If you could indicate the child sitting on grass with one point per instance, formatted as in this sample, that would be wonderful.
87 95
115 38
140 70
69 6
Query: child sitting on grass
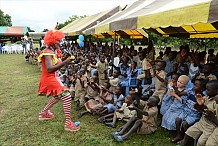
146 125
118 100
212 140
102 67
96 103
167 99
114 80
132 72
92 88
124 113
160 79
145 68
206 73
72 80
208 106
189 115
80 88
176 108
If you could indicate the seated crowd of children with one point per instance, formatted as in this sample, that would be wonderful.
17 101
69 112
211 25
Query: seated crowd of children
179 86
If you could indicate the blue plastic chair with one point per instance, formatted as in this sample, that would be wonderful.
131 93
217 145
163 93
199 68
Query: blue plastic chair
93 71
139 71
133 82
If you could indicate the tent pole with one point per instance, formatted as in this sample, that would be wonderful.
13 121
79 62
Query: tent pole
205 47
113 50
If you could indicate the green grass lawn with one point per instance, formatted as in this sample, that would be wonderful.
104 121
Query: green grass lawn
20 105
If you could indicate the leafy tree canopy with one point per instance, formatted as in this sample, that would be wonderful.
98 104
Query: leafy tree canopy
5 19
30 30
45 30
71 19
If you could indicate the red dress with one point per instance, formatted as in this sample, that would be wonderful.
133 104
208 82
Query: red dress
50 83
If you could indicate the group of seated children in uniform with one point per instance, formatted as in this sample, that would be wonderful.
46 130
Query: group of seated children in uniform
182 89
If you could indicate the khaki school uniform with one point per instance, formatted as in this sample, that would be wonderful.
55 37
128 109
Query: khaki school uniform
114 83
210 77
150 55
149 122
91 93
88 72
72 90
126 114
101 67
213 139
160 87
80 91
97 102
145 66
204 128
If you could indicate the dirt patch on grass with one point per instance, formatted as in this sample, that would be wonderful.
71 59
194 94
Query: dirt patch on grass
16 72
2 113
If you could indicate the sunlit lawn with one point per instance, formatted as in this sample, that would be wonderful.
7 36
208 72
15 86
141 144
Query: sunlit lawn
20 105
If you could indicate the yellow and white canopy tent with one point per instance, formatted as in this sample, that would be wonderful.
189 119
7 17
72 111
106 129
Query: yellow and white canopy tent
173 18
36 35
76 27
104 29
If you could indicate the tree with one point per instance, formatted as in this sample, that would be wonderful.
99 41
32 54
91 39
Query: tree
201 43
45 30
5 19
30 30
71 19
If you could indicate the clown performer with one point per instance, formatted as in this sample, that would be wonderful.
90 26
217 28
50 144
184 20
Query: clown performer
50 83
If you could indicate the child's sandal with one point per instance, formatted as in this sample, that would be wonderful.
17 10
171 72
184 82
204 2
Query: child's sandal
118 138
175 140
101 119
115 134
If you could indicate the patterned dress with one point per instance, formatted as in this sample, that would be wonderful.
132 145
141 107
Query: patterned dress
190 114
174 111
166 101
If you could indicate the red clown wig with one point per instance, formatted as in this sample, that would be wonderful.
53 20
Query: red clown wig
52 37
